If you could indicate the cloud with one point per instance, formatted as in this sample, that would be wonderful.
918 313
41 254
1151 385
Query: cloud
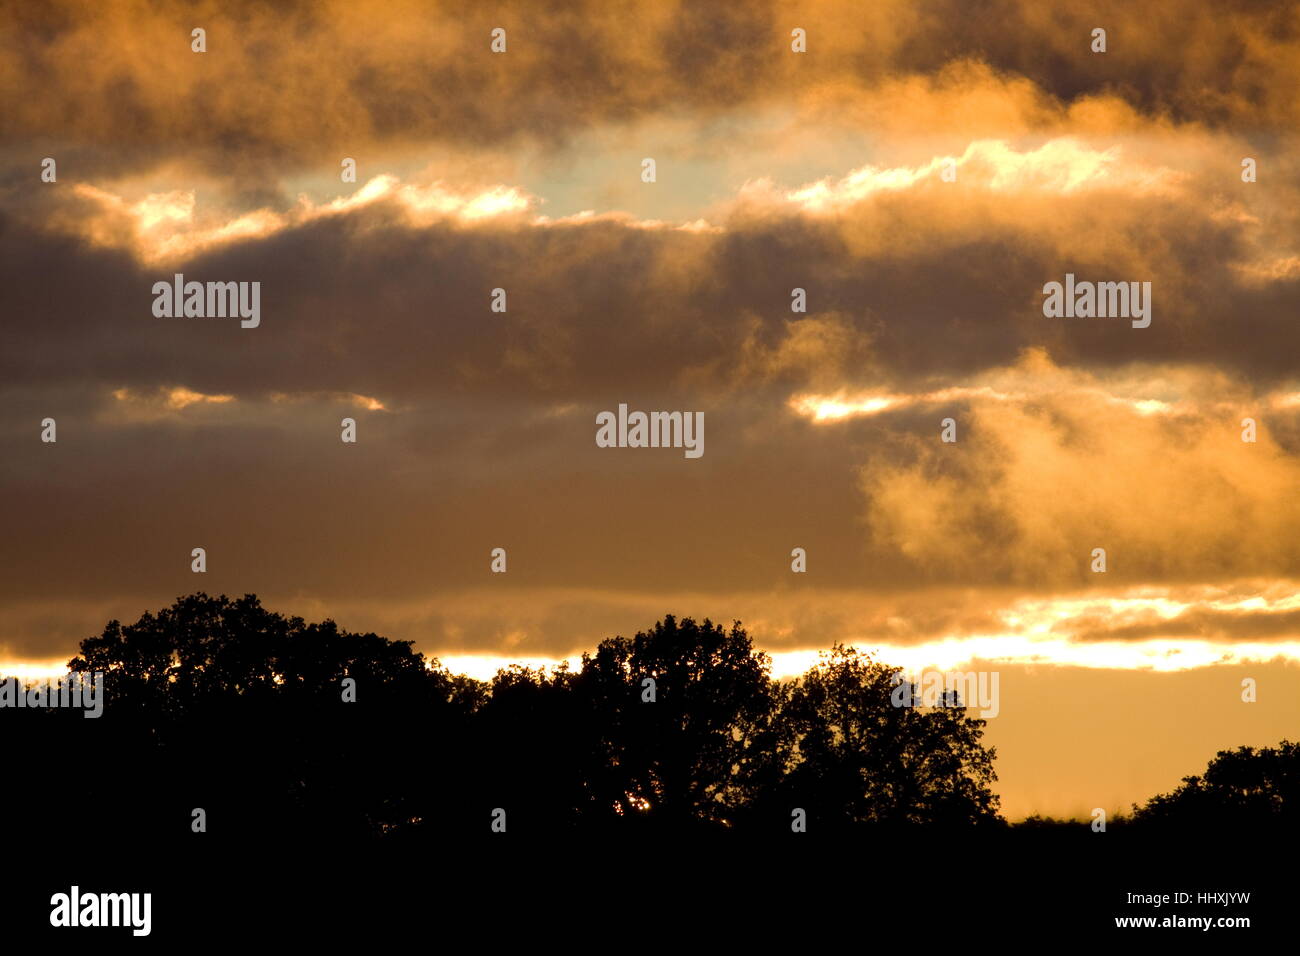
287 86
1033 486
897 282
778 171
1147 628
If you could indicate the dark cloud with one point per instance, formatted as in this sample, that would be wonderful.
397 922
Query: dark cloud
292 86
485 434
1202 623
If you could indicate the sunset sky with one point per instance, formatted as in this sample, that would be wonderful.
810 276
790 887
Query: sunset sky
775 170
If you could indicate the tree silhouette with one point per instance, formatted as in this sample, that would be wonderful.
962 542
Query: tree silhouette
527 752
848 755
221 704
680 760
1240 788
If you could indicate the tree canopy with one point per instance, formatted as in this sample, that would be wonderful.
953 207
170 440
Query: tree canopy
219 703
1244 788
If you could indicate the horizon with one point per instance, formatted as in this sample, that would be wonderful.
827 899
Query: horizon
1024 798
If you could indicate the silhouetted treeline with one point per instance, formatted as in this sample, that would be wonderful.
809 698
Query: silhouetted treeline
220 704
1248 787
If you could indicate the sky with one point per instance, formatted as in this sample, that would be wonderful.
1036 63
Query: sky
920 172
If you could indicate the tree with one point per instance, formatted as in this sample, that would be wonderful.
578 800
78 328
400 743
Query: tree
848 755
1242 788
677 761
530 754
220 704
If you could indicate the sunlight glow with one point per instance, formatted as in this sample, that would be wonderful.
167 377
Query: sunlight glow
34 670
175 398
1062 165
484 666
